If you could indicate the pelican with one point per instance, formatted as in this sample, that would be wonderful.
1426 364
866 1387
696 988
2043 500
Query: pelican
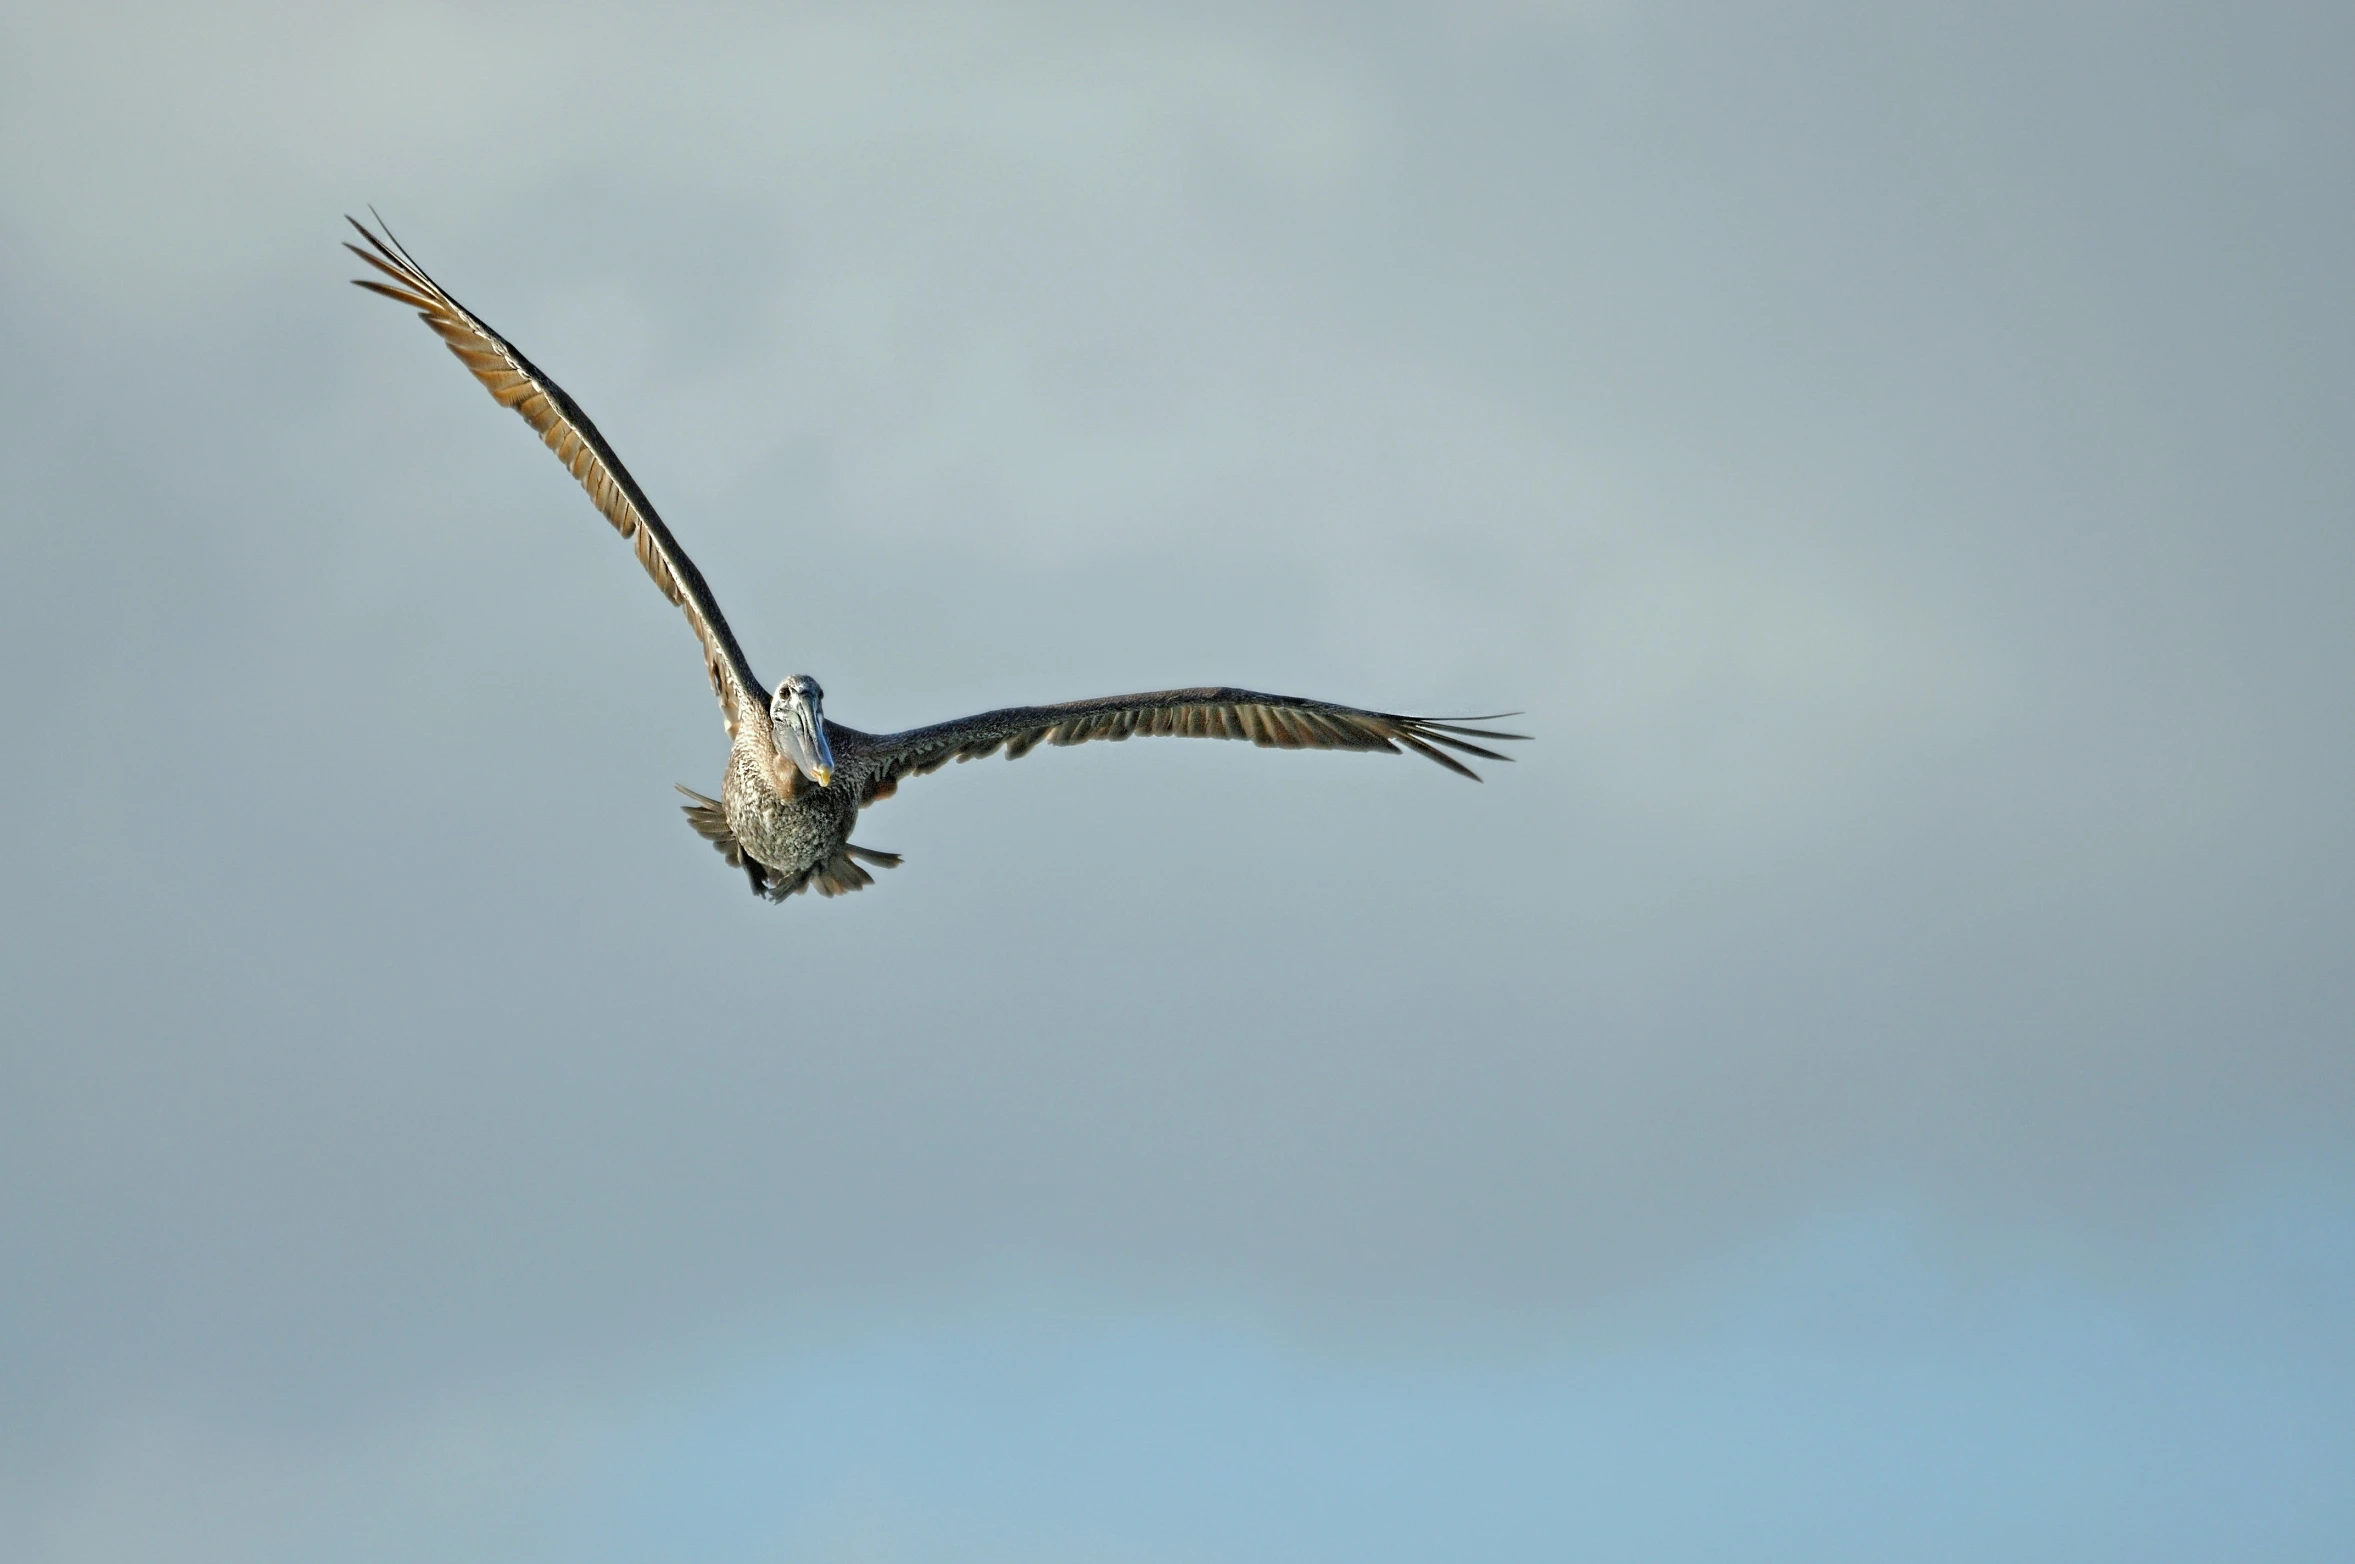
797 779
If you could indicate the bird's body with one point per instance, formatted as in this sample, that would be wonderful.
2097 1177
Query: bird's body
784 823
796 780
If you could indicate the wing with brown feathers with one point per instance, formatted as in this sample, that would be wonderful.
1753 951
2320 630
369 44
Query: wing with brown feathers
875 763
516 383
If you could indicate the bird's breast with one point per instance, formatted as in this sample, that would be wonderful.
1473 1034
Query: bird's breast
789 834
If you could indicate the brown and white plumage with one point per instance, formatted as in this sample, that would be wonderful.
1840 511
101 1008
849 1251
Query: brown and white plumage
875 764
796 781
516 382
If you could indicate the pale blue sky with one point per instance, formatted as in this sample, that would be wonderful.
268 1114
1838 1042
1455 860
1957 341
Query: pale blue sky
1871 1081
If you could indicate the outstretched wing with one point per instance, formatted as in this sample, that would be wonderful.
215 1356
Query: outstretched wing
516 383
875 763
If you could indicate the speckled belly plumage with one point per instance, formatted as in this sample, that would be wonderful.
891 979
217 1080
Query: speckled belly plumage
790 835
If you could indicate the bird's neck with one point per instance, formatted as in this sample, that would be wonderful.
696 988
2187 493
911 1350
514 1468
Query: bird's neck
756 742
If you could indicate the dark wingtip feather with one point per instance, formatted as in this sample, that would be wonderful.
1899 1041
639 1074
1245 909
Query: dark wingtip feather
391 256
1427 734
375 241
1423 748
416 301
1456 725
393 239
1467 747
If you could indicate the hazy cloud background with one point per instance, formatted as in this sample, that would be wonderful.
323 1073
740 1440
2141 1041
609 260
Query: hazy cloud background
1898 459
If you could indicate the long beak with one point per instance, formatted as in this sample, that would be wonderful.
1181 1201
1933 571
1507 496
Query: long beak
802 736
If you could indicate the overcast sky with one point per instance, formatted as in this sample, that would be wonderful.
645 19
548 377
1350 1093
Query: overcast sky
1897 459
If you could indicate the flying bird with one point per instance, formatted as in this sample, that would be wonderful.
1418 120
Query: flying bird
797 779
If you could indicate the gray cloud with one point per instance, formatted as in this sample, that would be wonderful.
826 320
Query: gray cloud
1898 462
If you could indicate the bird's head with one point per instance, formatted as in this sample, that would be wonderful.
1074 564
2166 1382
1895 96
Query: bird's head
798 719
